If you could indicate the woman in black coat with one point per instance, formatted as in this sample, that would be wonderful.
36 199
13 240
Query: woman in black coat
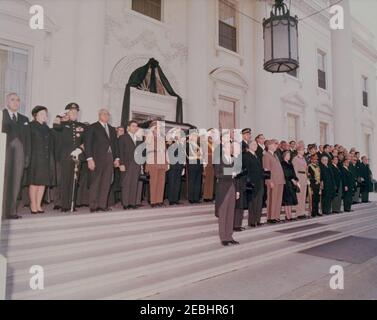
290 187
41 172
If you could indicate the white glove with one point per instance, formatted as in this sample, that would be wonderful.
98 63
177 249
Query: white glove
183 172
75 153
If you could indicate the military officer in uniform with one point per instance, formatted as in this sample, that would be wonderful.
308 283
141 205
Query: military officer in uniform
246 137
71 141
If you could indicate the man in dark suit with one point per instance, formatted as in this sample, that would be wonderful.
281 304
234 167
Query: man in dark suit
337 174
129 168
71 133
16 127
102 153
254 184
326 153
226 194
328 185
348 183
177 160
366 179
283 146
260 139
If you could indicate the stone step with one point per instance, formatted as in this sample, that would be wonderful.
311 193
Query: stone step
145 280
77 269
69 221
43 238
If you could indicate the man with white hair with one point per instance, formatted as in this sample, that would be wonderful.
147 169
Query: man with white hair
16 127
102 153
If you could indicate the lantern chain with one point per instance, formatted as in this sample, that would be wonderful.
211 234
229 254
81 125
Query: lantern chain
300 19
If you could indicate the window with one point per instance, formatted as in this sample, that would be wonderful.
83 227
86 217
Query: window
365 90
150 8
292 127
323 130
227 25
321 56
367 145
14 74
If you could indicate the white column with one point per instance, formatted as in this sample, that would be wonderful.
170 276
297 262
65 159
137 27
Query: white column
3 262
343 82
91 28
197 66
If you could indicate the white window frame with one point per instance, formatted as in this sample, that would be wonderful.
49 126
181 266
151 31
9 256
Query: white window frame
296 118
327 127
20 46
365 81
237 53
148 18
324 57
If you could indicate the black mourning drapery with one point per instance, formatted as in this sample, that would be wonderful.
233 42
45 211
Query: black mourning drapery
137 78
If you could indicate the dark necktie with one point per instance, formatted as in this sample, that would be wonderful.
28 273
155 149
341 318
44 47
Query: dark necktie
14 118
107 130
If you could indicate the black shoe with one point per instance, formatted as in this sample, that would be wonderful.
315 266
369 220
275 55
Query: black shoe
57 207
94 210
253 225
234 242
16 217
239 229
226 243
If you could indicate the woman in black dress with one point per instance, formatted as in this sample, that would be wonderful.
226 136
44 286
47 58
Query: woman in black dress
290 187
41 172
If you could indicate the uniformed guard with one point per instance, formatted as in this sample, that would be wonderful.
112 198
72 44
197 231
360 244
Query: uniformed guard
71 139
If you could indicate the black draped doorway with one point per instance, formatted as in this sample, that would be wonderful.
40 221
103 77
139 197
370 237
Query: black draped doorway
149 77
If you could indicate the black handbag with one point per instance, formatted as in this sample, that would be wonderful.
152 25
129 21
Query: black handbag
267 175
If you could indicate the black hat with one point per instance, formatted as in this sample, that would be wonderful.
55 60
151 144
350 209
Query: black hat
72 106
37 109
246 130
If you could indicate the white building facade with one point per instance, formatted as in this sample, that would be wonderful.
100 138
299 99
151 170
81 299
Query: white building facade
212 55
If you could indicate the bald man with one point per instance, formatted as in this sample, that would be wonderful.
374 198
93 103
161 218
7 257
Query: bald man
102 153
275 183
16 127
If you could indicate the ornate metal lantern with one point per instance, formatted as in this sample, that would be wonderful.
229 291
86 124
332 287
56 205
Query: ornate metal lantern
280 34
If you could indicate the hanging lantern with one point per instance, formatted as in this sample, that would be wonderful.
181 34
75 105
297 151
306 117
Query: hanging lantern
280 34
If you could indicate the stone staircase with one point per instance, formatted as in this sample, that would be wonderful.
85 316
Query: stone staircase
137 254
